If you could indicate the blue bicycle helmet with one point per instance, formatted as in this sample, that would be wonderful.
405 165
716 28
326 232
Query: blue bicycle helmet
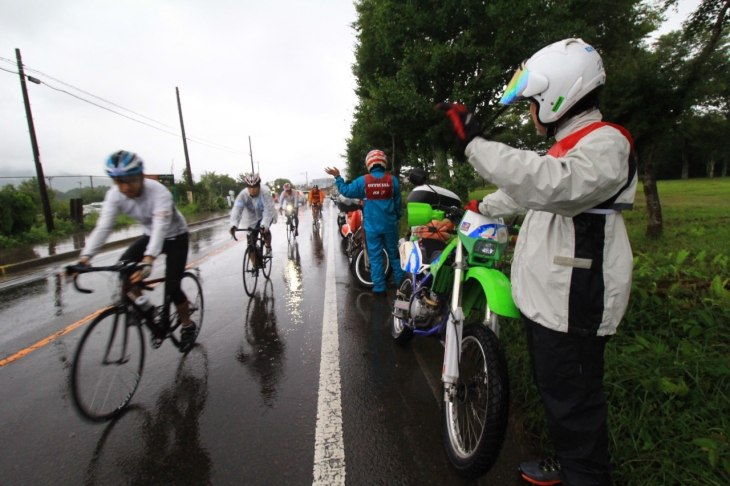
124 163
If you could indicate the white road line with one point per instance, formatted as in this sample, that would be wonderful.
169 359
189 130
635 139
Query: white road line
329 446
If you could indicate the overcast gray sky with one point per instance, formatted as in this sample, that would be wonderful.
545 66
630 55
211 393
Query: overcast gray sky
277 70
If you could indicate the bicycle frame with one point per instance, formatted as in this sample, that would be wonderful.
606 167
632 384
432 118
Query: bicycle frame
160 329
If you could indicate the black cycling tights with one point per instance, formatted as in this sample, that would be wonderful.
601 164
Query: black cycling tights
176 250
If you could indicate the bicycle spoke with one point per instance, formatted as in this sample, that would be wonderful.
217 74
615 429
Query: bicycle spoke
103 365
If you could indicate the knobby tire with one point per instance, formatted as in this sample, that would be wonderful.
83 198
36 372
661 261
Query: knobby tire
473 456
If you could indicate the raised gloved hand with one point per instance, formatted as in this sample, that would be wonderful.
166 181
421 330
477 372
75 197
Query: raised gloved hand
472 206
465 124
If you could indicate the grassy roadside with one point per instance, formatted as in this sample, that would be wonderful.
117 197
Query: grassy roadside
64 227
668 367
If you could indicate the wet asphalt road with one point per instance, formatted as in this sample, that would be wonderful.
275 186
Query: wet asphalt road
241 408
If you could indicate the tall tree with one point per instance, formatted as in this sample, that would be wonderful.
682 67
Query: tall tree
411 55
654 88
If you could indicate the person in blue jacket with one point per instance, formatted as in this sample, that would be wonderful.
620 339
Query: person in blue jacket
383 209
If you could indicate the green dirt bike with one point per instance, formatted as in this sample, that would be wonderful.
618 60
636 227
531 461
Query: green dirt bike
455 292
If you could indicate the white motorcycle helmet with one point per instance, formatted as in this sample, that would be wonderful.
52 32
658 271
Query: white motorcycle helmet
557 77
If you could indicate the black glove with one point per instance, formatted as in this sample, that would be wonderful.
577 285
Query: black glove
232 231
465 124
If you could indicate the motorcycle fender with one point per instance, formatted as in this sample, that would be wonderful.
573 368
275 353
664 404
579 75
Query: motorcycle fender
496 287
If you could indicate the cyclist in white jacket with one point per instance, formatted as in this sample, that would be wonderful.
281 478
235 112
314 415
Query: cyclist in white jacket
571 274
151 205
290 196
254 209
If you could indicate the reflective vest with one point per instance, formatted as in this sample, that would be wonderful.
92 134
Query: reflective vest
378 189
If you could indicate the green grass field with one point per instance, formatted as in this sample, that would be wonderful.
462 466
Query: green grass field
668 367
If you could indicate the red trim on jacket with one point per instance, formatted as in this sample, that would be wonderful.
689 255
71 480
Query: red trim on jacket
562 147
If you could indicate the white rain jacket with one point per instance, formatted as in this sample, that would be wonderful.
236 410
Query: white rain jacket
249 210
571 270
154 209
292 199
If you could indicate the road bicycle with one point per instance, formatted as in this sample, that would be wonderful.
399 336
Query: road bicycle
317 215
108 363
456 292
256 259
290 225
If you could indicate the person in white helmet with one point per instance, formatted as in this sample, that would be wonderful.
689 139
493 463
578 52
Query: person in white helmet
571 274
254 209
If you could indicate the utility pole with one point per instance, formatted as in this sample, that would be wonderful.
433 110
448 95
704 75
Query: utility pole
185 141
45 202
250 152
305 178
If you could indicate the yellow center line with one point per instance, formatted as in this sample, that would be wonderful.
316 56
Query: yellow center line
86 319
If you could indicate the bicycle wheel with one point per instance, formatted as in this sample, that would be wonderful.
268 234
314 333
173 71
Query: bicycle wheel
474 422
266 258
289 230
107 365
250 271
194 292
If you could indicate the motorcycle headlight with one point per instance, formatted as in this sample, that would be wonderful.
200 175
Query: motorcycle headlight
485 248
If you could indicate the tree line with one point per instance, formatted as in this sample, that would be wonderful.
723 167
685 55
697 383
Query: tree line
21 207
671 94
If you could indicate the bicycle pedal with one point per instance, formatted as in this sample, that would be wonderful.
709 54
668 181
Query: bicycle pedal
156 342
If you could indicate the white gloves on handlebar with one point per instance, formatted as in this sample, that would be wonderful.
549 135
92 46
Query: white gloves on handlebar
145 269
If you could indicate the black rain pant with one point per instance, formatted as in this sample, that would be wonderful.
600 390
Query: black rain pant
568 372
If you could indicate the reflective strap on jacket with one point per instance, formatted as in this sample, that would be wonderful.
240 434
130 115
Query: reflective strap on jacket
563 146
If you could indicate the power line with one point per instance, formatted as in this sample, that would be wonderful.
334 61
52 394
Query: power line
191 138
121 107
91 94
8 70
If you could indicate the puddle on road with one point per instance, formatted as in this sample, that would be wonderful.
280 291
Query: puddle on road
18 293
162 444
262 351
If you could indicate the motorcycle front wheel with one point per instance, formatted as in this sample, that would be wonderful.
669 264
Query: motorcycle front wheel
474 421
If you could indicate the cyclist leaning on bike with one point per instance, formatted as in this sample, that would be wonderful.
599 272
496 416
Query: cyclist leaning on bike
150 204
316 198
289 196
254 208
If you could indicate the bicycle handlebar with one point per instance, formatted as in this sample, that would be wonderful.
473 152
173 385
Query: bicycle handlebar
243 229
78 269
